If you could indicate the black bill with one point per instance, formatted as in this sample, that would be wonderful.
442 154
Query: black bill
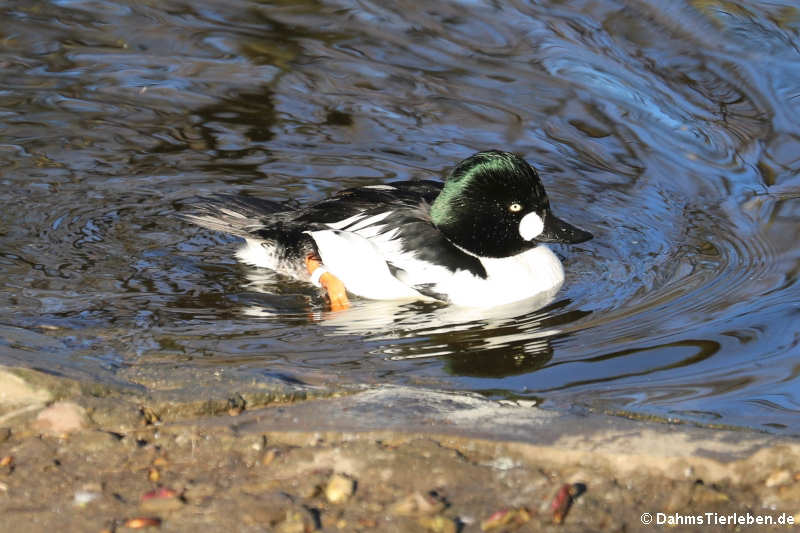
556 230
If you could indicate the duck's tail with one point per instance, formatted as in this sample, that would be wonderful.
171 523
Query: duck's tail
237 215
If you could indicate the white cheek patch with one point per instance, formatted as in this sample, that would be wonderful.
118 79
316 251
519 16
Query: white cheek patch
531 226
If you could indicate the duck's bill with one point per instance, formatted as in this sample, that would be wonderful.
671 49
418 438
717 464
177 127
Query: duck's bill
556 230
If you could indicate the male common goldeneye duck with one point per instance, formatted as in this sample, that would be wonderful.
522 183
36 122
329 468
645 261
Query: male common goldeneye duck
475 240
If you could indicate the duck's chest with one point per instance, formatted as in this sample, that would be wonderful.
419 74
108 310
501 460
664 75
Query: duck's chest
536 272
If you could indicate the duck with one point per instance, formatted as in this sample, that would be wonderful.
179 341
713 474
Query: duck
478 239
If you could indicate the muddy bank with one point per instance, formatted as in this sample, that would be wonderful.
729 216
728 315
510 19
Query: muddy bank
284 457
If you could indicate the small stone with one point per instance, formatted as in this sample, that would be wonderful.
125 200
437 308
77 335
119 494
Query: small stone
418 504
778 478
704 495
438 524
82 498
6 460
297 521
269 456
61 418
141 523
16 391
160 500
149 416
236 405
272 508
562 501
508 519
339 488
309 490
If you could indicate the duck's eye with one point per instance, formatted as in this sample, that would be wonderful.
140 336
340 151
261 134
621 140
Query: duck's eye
515 207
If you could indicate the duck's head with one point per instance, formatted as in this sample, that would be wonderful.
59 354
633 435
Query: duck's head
493 204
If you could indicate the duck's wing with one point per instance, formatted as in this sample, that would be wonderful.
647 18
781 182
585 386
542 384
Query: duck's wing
397 218
375 237
370 199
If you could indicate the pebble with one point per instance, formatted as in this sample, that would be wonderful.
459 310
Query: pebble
704 495
82 498
236 405
339 488
16 391
297 521
148 416
562 501
438 524
61 418
507 519
141 523
268 457
160 500
778 478
417 504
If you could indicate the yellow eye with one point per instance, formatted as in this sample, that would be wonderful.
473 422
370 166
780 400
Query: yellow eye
515 207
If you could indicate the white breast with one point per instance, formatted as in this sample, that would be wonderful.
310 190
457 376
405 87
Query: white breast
537 272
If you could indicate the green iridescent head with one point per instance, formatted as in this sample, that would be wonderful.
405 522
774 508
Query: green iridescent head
493 204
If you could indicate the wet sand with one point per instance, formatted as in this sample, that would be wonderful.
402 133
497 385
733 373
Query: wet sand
285 457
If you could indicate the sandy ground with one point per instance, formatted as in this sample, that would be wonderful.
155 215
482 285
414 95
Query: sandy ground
84 457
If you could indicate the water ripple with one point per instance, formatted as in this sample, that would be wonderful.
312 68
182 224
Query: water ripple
670 130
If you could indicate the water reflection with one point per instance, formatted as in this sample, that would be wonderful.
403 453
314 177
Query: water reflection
669 130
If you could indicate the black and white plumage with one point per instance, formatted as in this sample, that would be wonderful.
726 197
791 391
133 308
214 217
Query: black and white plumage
476 239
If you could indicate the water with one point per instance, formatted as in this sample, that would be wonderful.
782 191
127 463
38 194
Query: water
671 130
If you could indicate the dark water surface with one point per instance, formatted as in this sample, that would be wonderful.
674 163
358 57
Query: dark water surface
671 130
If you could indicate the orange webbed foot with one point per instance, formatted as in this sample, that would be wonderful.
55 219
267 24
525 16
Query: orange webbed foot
337 294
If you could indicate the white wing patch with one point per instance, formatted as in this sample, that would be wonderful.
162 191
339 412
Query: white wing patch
361 265
358 221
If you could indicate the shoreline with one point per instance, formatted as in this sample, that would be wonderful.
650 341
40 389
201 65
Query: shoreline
94 458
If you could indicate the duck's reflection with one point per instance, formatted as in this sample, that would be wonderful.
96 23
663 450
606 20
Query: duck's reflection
493 342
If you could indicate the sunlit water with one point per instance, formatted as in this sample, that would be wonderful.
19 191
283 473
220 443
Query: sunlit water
671 130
